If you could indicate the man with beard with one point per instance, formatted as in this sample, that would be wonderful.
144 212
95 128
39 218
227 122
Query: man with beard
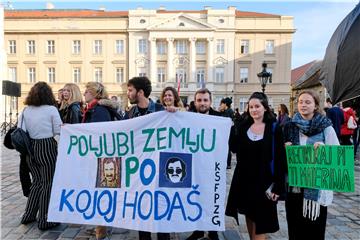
138 92
110 176
203 105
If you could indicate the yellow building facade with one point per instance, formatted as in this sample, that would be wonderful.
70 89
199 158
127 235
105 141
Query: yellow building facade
220 49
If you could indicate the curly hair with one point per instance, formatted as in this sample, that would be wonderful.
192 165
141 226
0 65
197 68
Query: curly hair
177 100
40 94
141 83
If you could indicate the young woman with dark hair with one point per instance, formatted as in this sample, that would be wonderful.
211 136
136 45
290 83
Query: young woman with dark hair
42 122
255 189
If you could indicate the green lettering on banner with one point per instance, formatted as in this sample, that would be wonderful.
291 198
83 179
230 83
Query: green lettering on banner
150 132
181 134
327 167
160 138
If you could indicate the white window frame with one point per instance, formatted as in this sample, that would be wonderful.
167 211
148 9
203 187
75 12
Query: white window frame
161 47
219 74
244 75
161 74
119 75
50 47
181 47
31 74
200 47
98 74
180 74
76 47
142 46
220 46
217 100
51 75
12 74
31 47
76 75
12 46
98 47
119 46
242 104
200 76
142 72
269 46
245 46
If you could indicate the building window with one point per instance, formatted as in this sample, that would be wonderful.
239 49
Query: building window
217 101
219 74
12 46
161 48
220 46
243 103
119 75
181 46
13 103
50 47
13 74
269 47
76 47
142 72
142 47
200 47
31 75
161 75
51 75
270 70
180 75
244 75
76 75
200 77
97 47
119 46
244 47
31 46
98 74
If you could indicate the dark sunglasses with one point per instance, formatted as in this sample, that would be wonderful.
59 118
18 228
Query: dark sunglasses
171 171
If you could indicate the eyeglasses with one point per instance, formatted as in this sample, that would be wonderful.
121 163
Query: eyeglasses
171 171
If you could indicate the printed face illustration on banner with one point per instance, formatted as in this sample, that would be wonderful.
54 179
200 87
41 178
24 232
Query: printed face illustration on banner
175 170
108 173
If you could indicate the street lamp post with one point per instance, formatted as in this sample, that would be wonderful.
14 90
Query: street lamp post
264 77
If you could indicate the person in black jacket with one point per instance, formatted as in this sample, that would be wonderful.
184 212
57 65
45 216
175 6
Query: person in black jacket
70 110
203 105
255 188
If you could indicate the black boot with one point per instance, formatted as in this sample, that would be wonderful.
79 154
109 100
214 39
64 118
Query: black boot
213 235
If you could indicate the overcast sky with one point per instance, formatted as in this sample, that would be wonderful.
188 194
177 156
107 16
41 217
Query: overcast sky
315 21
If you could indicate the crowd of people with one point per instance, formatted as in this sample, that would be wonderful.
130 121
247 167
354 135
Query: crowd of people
259 178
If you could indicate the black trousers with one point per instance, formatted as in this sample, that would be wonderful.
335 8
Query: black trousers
147 236
24 172
42 167
299 227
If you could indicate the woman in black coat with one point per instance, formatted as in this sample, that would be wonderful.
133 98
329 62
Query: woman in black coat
255 187
70 109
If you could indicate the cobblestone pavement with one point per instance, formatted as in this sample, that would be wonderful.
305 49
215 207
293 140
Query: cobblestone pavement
343 215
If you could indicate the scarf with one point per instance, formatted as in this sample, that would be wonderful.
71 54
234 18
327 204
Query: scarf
88 107
314 130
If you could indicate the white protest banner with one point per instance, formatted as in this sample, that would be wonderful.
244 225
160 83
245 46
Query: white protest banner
163 172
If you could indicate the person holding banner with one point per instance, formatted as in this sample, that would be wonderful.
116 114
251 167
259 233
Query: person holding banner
202 101
170 98
259 177
42 121
306 209
138 92
99 109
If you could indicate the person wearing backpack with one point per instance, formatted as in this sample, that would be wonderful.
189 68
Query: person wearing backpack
138 92
255 187
347 128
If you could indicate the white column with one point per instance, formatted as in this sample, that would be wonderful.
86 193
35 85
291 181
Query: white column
170 57
210 56
153 60
192 70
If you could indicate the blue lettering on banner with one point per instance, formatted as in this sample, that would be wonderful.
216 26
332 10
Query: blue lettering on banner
143 205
